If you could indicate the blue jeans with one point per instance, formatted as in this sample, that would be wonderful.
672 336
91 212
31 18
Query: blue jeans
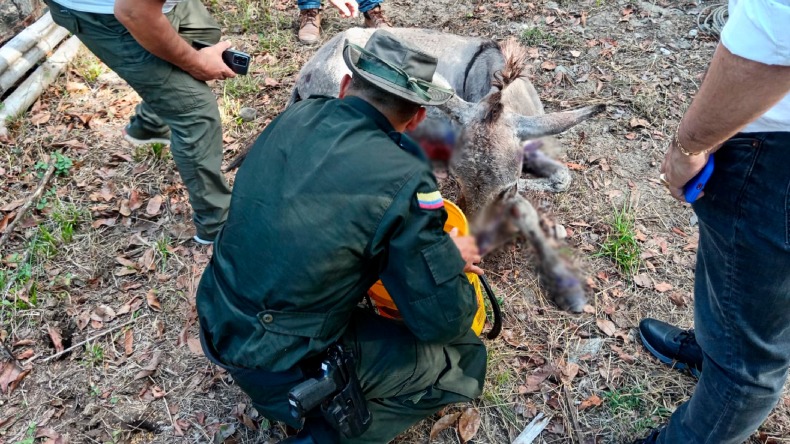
741 293
364 5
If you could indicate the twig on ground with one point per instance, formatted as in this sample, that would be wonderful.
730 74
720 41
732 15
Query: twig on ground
96 336
167 409
30 201
573 414
533 430
200 428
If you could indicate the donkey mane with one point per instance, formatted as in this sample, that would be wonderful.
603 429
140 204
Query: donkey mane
515 62
515 68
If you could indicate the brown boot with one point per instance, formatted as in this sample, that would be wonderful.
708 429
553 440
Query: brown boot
309 26
375 19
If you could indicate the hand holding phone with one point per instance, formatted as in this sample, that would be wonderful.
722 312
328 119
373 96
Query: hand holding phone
237 61
693 188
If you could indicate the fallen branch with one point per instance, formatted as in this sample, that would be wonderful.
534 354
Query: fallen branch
574 416
23 41
29 203
96 336
532 430
27 93
22 65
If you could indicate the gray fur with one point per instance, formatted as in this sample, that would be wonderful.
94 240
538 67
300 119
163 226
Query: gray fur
495 111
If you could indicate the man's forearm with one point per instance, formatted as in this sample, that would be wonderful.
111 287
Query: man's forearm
735 92
151 28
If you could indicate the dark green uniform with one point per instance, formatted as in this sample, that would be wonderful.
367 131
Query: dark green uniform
324 205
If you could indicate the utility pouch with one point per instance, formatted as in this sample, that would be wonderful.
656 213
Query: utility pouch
336 391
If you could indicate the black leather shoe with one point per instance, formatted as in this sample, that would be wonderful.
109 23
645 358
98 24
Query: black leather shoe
671 345
652 438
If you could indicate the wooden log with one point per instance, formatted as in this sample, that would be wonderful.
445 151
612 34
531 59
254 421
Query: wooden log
27 93
34 55
13 50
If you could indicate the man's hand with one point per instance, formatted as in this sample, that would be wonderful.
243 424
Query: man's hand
347 8
151 28
209 64
467 245
680 169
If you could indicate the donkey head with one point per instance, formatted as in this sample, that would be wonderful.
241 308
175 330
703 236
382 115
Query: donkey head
489 154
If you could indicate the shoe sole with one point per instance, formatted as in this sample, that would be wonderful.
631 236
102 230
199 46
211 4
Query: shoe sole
310 42
667 360
202 241
141 142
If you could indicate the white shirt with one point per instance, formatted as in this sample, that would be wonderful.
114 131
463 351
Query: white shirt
759 30
105 6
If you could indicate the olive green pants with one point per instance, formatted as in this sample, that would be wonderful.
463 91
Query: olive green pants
171 98
403 379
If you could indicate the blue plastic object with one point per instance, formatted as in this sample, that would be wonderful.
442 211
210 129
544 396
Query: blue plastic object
694 187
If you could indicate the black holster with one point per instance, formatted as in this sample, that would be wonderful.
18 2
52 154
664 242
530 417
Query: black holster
337 392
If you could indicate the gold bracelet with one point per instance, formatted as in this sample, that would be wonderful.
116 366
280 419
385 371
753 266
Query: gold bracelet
684 151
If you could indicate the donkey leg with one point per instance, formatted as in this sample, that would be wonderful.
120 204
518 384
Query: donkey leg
552 175
563 286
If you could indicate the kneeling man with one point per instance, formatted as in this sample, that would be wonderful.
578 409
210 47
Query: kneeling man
332 197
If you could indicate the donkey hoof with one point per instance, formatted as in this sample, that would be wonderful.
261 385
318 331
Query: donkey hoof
568 293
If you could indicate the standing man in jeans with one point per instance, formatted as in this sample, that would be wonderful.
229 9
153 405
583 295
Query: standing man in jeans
148 44
310 18
742 280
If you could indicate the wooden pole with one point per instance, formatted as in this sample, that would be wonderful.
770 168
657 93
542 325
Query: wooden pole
29 59
23 41
27 93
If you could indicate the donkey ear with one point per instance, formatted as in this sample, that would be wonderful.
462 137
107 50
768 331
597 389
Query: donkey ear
458 109
531 127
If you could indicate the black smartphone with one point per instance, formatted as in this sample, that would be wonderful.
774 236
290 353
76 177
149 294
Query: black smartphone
237 61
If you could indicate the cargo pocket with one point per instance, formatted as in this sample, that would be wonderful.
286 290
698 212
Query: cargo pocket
443 260
63 17
168 89
446 268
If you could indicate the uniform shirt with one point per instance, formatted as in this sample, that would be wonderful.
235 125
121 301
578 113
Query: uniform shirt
758 30
325 204
105 6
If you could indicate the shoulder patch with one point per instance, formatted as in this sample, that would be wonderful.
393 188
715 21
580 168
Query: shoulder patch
430 201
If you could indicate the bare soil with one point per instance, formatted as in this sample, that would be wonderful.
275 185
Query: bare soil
129 259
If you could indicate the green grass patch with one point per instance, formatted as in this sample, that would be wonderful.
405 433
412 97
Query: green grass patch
536 37
63 165
94 354
633 408
620 245
67 218
156 151
163 251
241 86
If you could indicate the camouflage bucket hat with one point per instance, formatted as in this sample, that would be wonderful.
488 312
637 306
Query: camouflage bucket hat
397 68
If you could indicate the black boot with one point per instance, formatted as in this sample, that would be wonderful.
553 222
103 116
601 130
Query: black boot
671 345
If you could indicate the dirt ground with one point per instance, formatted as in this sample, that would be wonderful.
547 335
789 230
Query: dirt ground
103 262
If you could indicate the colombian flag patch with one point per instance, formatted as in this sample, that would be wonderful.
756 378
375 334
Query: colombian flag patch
430 201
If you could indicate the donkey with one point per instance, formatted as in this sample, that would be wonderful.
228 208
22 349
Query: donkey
494 112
